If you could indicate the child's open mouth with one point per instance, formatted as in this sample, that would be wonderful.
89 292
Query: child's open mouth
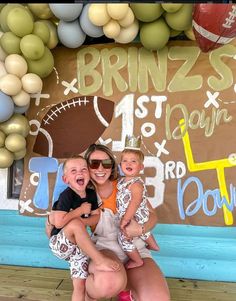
80 182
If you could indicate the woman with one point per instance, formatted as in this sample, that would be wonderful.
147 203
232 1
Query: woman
147 281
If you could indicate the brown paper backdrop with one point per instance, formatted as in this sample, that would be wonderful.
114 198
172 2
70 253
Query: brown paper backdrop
179 75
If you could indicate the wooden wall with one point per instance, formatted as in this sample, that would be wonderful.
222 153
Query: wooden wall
207 253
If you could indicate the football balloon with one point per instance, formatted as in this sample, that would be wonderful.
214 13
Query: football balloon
214 25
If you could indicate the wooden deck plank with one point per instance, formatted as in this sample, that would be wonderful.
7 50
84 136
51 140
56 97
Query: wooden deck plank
43 284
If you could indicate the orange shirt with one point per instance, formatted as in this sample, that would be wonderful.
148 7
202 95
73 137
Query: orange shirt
110 202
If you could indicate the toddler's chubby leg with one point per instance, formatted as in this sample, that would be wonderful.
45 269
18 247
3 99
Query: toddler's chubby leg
151 243
129 248
78 293
103 284
76 232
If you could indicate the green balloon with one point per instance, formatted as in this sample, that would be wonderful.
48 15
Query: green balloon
2 138
4 14
41 30
10 43
6 158
32 47
17 124
20 22
154 35
147 12
42 67
182 19
171 7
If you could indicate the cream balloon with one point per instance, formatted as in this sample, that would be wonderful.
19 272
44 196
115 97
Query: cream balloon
17 124
16 64
10 84
21 99
2 139
15 142
128 19
111 29
3 70
6 158
19 155
32 83
117 11
97 14
128 34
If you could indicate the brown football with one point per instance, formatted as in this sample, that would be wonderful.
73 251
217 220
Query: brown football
69 127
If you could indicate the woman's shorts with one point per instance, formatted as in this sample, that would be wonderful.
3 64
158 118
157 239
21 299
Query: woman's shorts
65 249
106 237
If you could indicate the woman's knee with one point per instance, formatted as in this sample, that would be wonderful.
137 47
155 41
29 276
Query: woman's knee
106 284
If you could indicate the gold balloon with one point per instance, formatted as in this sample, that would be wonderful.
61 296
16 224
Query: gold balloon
41 10
6 158
17 124
20 155
2 138
15 142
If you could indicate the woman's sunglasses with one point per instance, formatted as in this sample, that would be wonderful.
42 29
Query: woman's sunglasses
94 164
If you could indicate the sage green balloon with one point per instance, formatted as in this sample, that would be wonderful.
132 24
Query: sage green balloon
20 22
10 43
2 5
17 124
147 12
41 30
2 139
171 7
32 47
6 158
42 67
182 19
154 35
4 14
53 36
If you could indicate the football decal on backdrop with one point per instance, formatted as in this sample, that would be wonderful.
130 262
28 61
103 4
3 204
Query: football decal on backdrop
69 127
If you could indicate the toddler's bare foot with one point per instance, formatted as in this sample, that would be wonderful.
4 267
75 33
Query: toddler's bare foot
153 247
133 264
107 264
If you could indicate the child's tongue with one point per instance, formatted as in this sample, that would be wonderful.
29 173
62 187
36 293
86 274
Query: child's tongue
80 181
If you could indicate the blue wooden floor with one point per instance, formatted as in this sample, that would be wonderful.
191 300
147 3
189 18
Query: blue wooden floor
206 253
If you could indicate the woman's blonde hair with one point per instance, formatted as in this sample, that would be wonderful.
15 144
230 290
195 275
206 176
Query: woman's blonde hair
103 148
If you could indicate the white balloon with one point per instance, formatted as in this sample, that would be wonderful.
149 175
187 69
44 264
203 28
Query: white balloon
32 83
16 64
128 34
21 99
10 84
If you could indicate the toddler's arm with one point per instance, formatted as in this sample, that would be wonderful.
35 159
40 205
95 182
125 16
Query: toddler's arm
61 218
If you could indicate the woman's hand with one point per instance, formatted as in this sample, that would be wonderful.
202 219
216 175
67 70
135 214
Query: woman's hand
133 229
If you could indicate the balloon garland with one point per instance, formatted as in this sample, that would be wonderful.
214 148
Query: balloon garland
30 31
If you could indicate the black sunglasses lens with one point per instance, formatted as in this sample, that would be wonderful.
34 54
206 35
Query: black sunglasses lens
94 164
107 163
